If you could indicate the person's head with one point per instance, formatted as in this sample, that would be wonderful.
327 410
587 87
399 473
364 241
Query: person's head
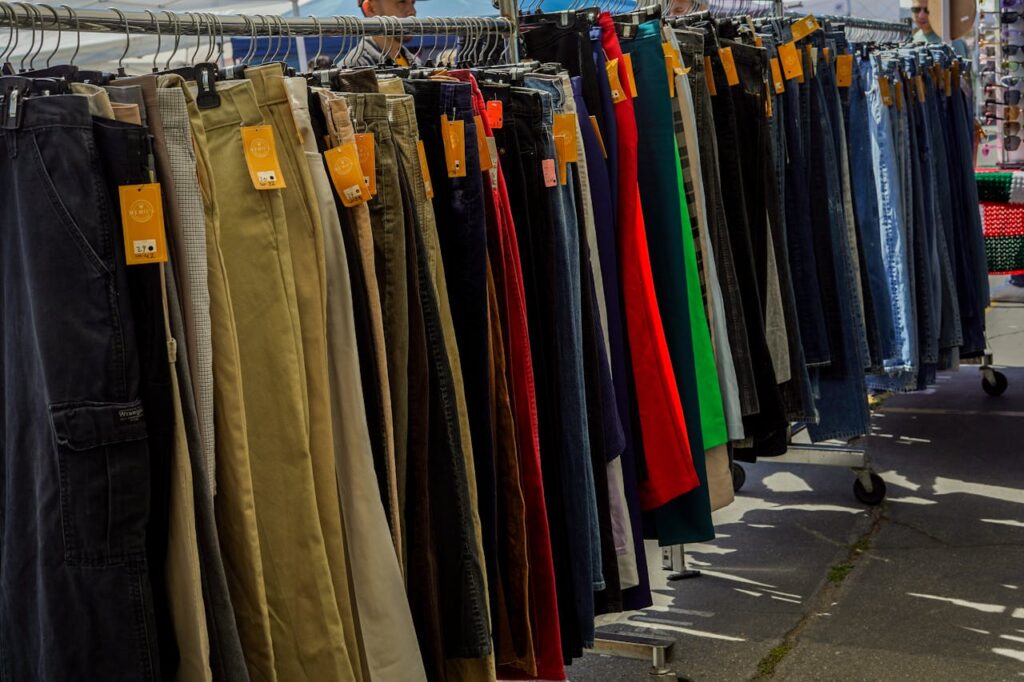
919 8
388 8
677 8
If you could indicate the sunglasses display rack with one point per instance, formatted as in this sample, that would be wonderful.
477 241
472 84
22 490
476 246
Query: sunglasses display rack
1000 83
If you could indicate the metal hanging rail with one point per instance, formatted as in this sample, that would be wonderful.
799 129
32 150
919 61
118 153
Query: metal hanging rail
47 18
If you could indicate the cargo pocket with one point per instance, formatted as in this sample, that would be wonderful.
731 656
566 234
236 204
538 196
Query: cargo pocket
104 481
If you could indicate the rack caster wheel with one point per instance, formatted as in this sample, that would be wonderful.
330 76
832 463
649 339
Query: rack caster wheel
997 386
739 477
877 493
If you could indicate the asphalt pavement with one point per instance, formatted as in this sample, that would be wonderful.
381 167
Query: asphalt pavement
804 582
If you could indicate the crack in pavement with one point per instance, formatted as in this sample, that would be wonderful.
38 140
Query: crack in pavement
824 599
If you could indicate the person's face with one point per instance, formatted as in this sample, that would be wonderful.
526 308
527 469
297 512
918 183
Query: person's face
392 8
678 8
921 18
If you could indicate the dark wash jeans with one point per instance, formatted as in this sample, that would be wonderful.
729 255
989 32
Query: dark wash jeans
691 45
75 594
459 207
522 149
737 146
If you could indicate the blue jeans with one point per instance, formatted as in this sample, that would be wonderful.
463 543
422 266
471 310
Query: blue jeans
578 475
895 249
865 203
842 403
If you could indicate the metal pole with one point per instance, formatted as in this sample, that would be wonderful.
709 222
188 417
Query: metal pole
106 21
510 10
300 42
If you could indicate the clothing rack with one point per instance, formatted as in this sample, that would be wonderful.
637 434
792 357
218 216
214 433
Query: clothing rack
41 17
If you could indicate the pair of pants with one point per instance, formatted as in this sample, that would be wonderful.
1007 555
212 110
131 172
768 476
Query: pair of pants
357 233
518 143
308 638
738 169
842 403
76 459
234 507
386 629
691 46
459 212
686 518
668 470
305 236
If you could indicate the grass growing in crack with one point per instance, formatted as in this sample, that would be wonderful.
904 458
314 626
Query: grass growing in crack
862 545
766 666
838 573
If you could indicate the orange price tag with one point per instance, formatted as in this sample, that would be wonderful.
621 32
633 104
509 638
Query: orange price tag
564 131
600 138
670 70
778 82
709 76
618 94
481 145
428 186
805 27
791 65
729 64
261 157
883 88
454 135
627 60
142 220
844 70
367 160
347 174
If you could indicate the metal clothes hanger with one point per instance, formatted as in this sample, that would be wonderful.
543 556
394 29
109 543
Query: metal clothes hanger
159 38
32 24
78 34
171 16
11 40
127 42
42 36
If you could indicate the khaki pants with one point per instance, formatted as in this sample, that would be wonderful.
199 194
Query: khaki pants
235 509
390 647
307 632
338 121
403 117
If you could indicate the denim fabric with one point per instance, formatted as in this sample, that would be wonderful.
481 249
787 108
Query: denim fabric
523 145
575 448
834 106
893 229
800 240
926 252
797 395
690 154
567 44
739 165
944 283
691 46
458 205
842 403
972 272
606 255
76 461
865 201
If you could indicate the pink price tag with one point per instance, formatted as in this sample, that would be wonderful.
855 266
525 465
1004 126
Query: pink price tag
550 175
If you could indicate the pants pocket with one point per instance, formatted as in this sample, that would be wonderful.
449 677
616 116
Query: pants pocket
103 458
